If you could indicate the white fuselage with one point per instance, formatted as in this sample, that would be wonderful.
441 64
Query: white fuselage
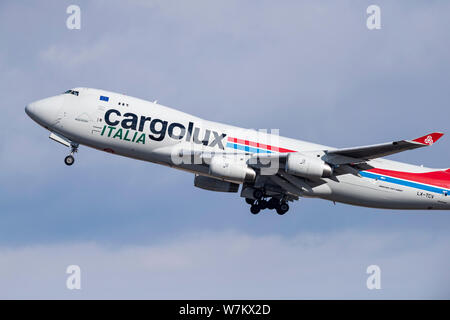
148 131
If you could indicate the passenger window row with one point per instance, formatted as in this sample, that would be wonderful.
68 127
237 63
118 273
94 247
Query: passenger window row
123 104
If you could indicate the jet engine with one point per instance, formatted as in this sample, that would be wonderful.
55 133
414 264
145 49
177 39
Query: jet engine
213 184
299 164
231 168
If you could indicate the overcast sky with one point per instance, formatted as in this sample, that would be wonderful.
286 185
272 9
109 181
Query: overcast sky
311 69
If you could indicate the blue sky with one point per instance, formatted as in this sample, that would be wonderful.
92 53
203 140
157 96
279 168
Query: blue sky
309 68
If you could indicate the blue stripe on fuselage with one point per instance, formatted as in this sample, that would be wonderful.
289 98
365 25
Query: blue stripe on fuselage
246 148
405 183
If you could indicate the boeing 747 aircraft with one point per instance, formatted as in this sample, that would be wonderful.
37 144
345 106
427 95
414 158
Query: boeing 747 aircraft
271 169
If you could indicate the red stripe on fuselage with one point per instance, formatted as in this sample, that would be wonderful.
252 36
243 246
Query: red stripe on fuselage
434 178
259 145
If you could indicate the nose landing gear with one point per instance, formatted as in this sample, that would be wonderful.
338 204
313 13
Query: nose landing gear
70 159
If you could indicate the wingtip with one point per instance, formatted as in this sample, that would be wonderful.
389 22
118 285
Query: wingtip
430 138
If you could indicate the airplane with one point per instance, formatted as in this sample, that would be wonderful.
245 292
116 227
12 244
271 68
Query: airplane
270 170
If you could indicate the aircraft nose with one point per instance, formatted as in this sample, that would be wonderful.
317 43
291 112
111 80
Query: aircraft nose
29 109
44 111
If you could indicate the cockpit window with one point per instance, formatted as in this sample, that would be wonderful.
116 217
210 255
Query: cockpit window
75 93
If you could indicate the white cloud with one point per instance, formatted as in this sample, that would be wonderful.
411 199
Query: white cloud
235 265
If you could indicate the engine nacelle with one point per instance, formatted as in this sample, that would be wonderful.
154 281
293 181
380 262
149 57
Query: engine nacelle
303 165
213 184
231 168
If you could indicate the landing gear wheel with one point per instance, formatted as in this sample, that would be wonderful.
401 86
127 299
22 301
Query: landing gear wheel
272 203
255 209
69 160
258 194
282 208
263 204
249 201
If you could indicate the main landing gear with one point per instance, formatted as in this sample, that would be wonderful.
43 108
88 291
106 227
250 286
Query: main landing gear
70 159
260 203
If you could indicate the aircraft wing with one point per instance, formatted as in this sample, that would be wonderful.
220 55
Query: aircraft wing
347 159
364 153
352 156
